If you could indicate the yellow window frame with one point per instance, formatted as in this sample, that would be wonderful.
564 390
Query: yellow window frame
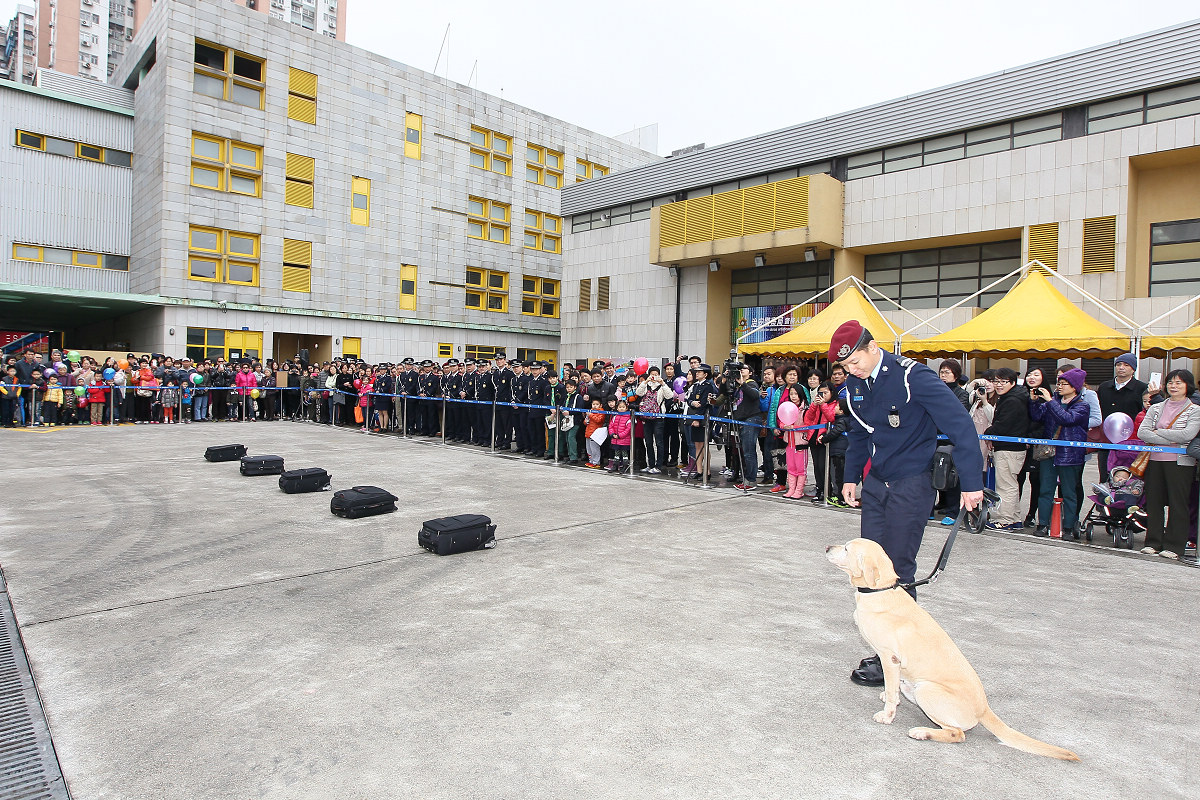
239 262
481 294
360 186
17 257
229 78
538 161
445 350
224 165
79 152
545 230
413 124
590 170
223 255
546 291
75 259
408 276
41 145
484 217
495 150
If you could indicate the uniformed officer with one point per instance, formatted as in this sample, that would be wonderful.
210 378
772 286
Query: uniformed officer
408 387
898 407
697 404
521 398
466 420
503 381
485 395
451 386
539 395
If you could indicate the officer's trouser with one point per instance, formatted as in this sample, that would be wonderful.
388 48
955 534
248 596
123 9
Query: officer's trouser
894 515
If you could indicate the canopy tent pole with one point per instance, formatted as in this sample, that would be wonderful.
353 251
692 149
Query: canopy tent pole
773 320
969 297
1112 312
1172 311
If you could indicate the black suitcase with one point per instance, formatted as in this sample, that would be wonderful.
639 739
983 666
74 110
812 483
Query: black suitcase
448 535
225 452
262 465
296 481
362 501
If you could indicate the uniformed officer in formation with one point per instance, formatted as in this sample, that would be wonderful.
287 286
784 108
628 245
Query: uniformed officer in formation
504 383
408 387
521 414
538 392
485 394
452 382
898 406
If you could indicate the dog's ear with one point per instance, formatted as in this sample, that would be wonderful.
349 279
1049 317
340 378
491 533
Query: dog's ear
867 568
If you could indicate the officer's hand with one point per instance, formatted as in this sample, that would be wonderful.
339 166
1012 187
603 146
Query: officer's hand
848 490
970 500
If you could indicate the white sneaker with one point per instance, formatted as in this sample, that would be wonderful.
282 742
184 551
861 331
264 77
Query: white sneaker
654 471
1170 555
1149 551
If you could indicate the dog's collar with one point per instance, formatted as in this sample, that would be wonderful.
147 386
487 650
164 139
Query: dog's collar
865 590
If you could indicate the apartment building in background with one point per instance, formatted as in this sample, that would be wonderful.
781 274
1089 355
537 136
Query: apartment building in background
89 37
18 48
246 189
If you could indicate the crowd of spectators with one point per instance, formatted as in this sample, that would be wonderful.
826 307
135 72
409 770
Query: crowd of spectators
619 418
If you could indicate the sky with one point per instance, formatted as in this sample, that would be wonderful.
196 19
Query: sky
716 72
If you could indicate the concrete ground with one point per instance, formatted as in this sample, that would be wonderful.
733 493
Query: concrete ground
196 634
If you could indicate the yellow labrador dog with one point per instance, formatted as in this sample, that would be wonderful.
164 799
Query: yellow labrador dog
919 659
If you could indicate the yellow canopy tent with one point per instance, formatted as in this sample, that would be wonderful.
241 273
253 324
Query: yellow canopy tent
1184 343
1033 318
812 337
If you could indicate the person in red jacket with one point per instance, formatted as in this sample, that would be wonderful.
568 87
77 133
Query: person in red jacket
97 396
821 412
246 382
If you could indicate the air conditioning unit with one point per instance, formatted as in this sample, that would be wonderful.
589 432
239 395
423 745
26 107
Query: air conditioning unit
129 36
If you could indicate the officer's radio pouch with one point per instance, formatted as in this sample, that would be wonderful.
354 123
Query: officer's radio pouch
944 474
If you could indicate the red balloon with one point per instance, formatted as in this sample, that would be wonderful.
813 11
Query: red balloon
357 383
640 366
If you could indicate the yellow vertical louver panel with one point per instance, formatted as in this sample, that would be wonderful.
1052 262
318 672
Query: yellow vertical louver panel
1100 244
671 224
1043 244
301 82
297 253
297 279
301 168
302 109
302 96
759 209
585 294
727 214
296 193
791 203
699 223
602 288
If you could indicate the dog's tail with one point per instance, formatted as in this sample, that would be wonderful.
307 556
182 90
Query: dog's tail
1022 742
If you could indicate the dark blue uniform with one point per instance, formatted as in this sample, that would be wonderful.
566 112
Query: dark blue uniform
521 421
485 394
538 392
897 417
503 380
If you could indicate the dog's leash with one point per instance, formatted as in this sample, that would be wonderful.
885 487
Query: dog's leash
990 498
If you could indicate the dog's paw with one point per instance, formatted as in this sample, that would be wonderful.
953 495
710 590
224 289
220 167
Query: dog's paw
918 733
886 716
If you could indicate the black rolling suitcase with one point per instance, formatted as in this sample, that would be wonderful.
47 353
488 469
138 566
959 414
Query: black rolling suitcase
362 501
262 465
225 452
448 535
296 481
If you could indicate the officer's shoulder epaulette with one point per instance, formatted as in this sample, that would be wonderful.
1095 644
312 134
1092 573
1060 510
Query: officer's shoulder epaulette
905 361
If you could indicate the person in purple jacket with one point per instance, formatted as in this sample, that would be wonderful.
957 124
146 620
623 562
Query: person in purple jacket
1064 416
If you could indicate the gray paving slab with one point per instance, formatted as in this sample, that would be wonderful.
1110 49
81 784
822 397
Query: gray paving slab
197 634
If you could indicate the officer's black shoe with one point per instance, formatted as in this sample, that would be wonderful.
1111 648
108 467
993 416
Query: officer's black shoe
869 672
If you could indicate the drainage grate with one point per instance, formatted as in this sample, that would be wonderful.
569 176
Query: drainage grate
28 766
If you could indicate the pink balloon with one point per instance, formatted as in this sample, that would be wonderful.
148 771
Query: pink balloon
1118 426
640 366
788 413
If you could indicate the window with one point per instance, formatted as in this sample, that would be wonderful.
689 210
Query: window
487 290
302 96
408 287
227 74
481 351
585 294
491 150
544 166
543 231
413 126
618 215
299 172
778 284
602 285
214 343
352 347
976 142
73 149
943 276
222 256
587 169
297 265
68 257
539 297
1175 258
445 350
527 354
1140 109
360 201
488 220
225 165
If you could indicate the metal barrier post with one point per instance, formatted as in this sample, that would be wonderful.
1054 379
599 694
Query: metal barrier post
704 466
112 406
404 415
493 443
443 417
557 430
633 440
825 488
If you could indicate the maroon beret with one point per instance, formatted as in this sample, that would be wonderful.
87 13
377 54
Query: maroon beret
846 339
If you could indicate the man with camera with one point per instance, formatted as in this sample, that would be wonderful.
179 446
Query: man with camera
898 407
743 392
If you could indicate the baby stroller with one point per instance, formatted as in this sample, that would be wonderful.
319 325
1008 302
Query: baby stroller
1120 509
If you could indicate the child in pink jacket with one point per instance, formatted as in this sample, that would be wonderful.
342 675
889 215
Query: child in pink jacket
620 427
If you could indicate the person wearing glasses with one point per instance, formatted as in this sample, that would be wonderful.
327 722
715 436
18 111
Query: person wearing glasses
1011 418
1064 417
